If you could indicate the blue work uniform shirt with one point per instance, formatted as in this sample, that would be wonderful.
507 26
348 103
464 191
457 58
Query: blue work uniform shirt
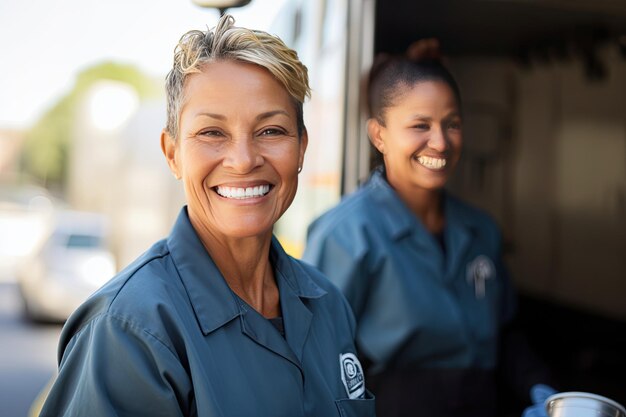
415 305
168 337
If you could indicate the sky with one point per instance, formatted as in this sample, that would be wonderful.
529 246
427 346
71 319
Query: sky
44 44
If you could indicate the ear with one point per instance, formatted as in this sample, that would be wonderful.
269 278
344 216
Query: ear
304 142
374 132
169 146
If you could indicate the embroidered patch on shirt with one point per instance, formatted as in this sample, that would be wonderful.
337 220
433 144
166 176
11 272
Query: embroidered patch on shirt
352 375
478 271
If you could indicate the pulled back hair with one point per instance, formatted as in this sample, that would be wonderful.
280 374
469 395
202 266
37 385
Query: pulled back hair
391 75
227 42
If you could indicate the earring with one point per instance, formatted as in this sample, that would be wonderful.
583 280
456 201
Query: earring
299 169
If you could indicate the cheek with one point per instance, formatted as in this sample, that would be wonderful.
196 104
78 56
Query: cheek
288 172
456 141
407 145
285 158
197 159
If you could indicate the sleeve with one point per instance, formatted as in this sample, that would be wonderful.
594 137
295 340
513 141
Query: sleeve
113 368
342 257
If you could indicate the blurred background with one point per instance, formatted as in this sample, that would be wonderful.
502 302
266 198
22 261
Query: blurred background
84 188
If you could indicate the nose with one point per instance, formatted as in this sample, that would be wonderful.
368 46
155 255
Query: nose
438 140
243 155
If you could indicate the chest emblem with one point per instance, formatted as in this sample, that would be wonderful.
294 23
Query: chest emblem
352 375
478 271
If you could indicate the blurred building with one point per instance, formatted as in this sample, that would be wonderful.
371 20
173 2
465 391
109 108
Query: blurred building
117 168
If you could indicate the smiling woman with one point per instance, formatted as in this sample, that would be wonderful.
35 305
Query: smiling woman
238 132
201 322
406 251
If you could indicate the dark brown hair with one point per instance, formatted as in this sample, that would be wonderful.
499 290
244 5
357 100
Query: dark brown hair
390 75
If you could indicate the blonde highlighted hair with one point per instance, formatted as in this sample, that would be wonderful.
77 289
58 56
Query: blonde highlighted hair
228 42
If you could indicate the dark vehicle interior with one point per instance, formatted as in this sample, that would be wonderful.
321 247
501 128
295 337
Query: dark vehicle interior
566 246
514 28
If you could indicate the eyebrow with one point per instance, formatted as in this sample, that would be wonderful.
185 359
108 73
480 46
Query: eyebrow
429 118
260 117
454 114
269 114
420 117
211 115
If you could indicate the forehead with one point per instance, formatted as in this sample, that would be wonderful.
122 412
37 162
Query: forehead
234 84
432 94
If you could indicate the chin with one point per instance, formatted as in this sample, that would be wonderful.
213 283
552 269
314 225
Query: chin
245 229
433 186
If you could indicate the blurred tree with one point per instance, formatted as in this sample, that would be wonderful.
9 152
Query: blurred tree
48 142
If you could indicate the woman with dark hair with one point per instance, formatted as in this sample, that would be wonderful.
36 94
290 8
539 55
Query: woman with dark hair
421 269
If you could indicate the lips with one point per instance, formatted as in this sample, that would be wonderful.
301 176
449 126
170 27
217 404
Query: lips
242 193
431 162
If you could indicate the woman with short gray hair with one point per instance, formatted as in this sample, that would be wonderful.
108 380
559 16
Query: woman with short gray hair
217 320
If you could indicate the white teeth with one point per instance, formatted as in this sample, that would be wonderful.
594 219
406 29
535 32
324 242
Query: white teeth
241 193
432 163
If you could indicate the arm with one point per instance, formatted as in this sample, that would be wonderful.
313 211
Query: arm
111 367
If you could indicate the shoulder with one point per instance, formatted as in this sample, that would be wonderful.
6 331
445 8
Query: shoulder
353 210
138 297
348 224
141 282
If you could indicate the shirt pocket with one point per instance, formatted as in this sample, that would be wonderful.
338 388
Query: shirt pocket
357 408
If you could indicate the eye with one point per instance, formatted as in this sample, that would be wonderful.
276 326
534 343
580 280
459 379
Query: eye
422 126
211 133
272 131
455 125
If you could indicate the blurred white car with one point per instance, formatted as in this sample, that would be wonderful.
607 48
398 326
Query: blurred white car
73 262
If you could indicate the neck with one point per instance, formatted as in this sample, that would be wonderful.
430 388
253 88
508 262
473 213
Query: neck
427 206
245 266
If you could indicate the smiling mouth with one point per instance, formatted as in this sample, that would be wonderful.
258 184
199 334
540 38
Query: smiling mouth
431 163
241 193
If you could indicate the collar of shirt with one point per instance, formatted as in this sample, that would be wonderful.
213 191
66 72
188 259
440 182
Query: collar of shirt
213 301
401 221
461 227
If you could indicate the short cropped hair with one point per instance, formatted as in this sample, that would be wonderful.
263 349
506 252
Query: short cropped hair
227 42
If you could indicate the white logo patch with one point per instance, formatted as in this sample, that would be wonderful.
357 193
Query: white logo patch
352 375
480 270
